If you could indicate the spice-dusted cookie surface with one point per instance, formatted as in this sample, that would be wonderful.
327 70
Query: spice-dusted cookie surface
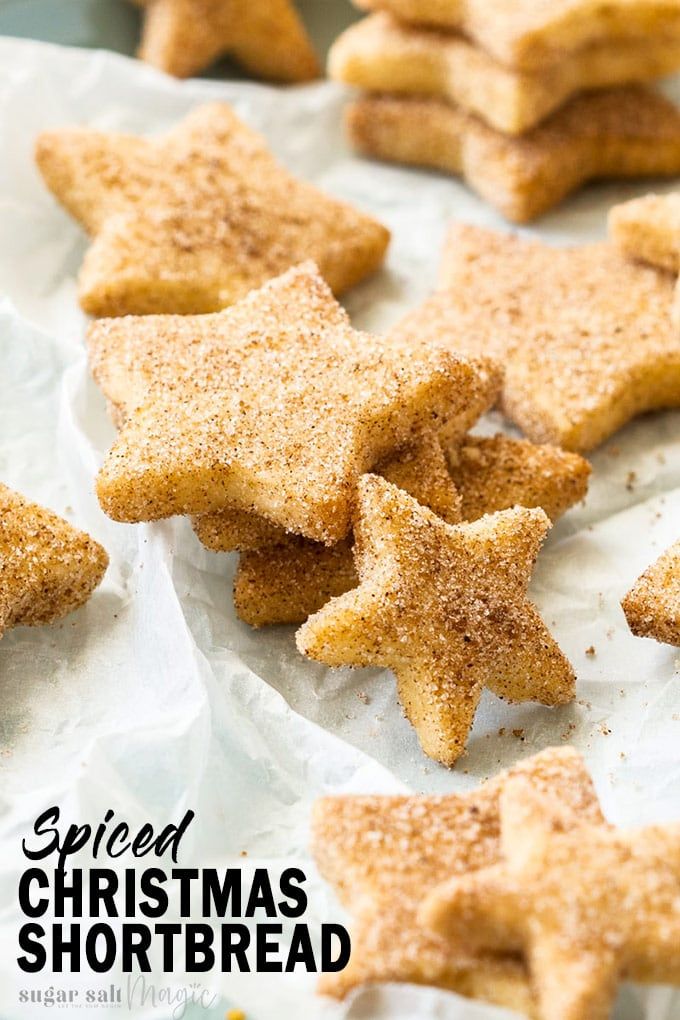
128 362
47 567
445 608
284 407
190 221
383 855
612 133
529 34
588 906
381 54
266 37
584 333
648 228
287 581
652 606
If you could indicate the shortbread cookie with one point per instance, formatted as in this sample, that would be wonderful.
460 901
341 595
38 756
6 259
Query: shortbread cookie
382 855
652 606
588 906
191 221
47 567
445 607
648 228
584 334
530 34
380 54
288 581
266 37
127 362
270 418
613 133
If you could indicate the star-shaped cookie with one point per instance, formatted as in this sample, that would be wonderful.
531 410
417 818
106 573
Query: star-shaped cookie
446 608
287 581
266 37
381 54
190 221
652 606
588 906
127 362
278 411
530 34
47 567
584 334
382 855
610 133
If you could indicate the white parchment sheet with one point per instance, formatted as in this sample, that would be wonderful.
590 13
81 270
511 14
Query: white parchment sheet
154 698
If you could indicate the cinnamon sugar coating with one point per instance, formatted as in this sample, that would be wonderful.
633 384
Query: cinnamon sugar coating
496 473
588 906
381 54
584 334
652 606
611 133
530 34
288 581
382 855
284 406
445 608
648 228
419 469
47 567
127 362
190 221
266 37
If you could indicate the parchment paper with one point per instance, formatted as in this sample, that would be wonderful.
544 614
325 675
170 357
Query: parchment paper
154 698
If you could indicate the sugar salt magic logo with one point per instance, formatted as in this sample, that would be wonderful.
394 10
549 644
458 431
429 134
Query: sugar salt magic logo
54 890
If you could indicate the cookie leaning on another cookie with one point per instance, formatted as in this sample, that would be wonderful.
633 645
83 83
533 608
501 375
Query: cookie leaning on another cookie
652 606
614 133
190 221
279 410
589 906
47 567
127 361
383 855
380 54
445 607
584 334
288 581
266 37
529 35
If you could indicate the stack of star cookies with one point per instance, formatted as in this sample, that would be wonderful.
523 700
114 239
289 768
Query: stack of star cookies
526 101
511 894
